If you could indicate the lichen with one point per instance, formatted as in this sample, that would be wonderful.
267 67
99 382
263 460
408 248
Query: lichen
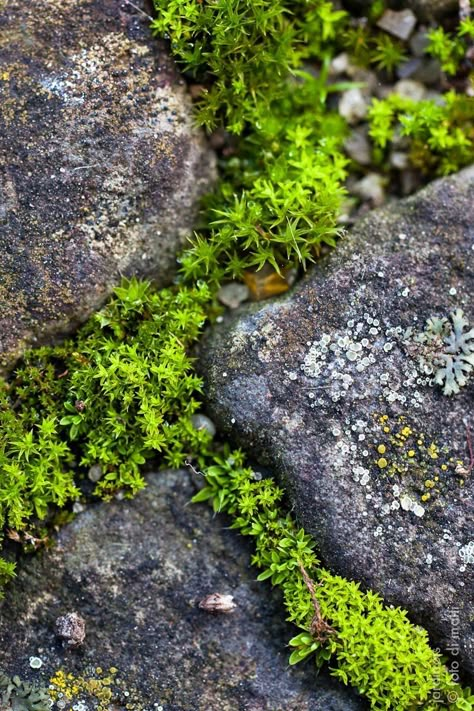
19 695
96 689
449 349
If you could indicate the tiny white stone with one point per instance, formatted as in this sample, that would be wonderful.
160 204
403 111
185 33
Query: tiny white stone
452 291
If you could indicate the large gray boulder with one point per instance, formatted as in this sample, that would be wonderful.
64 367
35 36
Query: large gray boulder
101 168
136 572
332 386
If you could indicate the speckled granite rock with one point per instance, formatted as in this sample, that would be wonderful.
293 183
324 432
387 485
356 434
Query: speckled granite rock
100 167
135 572
328 386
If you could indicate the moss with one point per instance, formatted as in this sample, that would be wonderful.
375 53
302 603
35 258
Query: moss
123 389
370 646
120 392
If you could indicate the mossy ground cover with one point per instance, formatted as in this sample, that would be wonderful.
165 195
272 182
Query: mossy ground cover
123 391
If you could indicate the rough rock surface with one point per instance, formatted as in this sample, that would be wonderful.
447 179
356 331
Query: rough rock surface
135 572
328 386
100 166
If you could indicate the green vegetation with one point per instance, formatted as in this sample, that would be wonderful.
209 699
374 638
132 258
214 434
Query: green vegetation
280 193
279 197
373 647
369 47
243 51
442 134
119 392
451 48
123 390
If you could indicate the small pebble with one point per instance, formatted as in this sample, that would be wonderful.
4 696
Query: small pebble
71 628
217 603
233 294
353 106
357 146
371 187
399 160
95 473
399 24
410 89
202 422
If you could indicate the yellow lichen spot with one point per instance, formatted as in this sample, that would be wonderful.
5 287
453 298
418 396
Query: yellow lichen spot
386 429
419 441
426 496
411 452
436 478
381 449
444 467
382 463
429 483
406 431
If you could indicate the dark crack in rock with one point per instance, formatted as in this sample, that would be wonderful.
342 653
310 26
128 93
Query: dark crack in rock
332 386
101 168
136 572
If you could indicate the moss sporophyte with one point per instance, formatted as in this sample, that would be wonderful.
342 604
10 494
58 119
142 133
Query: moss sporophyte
123 389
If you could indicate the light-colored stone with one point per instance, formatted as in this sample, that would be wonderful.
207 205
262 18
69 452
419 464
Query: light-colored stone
399 24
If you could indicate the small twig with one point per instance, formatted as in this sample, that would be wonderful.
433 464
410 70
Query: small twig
470 450
138 9
187 463
319 628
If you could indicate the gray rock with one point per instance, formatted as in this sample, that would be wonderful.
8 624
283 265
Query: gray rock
399 24
328 387
135 572
353 105
101 168
410 89
357 146
370 187
233 294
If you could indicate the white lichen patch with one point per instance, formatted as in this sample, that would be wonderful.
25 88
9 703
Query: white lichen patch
339 361
466 552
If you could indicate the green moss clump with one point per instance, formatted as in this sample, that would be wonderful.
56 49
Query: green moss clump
280 195
441 133
452 48
243 50
121 391
372 647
